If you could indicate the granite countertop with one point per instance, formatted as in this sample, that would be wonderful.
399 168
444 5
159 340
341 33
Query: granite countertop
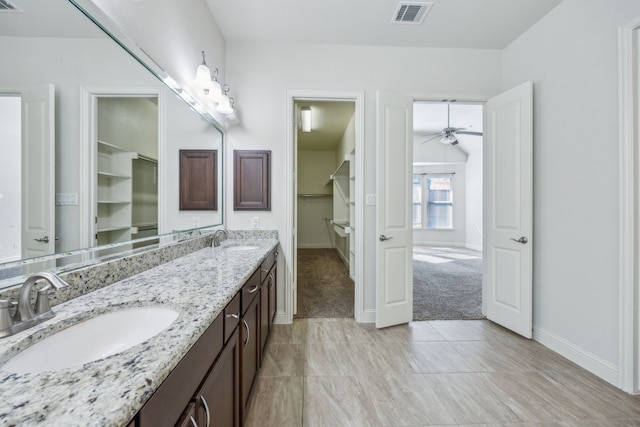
110 391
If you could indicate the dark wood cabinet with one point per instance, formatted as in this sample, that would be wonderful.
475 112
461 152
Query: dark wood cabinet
249 352
218 399
251 180
267 299
188 418
198 180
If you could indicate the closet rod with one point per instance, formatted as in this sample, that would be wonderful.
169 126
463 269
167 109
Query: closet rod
148 159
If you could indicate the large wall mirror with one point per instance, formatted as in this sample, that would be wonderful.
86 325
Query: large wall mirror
89 142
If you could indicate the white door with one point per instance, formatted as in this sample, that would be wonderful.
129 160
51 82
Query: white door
508 251
38 163
394 226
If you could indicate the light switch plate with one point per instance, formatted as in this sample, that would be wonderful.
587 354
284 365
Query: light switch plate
255 222
67 199
371 199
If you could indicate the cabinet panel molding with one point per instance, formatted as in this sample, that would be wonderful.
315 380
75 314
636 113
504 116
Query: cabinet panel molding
198 176
252 180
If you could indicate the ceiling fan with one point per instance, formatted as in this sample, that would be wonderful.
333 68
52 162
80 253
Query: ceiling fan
448 134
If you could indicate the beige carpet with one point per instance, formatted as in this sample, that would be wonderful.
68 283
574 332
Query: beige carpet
324 286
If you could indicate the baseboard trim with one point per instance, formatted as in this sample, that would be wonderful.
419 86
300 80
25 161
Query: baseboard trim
368 316
587 360
281 319
314 246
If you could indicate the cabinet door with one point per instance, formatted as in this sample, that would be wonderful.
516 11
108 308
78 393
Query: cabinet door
249 352
273 296
264 316
188 418
217 400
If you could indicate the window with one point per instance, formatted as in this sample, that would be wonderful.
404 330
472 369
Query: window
433 201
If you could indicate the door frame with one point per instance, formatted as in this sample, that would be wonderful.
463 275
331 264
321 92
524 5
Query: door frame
288 245
88 150
629 225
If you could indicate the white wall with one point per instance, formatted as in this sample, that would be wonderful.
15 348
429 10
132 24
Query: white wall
473 200
314 168
415 71
571 57
10 178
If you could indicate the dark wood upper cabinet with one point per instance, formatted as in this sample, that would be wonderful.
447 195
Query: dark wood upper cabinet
198 176
251 180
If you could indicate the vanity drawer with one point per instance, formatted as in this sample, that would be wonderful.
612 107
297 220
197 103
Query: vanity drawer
250 290
231 316
266 265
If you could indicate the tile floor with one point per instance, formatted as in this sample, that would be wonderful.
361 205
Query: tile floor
335 372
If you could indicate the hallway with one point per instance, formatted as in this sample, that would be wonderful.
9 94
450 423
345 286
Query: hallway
336 372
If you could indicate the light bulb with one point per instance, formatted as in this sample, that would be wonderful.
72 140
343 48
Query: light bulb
224 106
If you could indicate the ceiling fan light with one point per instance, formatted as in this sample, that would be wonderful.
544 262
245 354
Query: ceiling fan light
449 139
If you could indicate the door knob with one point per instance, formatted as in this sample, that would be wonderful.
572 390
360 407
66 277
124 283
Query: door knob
383 238
44 239
522 240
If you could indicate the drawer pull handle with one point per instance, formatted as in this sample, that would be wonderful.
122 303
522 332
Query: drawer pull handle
265 271
246 326
255 288
272 279
193 422
206 409
235 316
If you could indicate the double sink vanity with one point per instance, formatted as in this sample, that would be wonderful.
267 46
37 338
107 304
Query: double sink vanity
178 344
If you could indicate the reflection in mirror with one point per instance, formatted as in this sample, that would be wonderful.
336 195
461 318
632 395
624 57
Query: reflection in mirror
90 142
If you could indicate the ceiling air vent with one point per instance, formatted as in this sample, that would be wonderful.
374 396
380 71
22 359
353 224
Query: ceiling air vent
6 6
411 12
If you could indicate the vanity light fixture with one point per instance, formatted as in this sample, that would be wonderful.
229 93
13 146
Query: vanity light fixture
203 75
225 106
215 90
305 119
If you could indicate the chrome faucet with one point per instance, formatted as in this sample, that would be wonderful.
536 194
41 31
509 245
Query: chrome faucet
26 314
216 237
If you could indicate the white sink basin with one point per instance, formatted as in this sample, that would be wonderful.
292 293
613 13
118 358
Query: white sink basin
93 339
240 248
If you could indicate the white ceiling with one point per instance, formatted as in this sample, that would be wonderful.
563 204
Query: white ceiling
484 24
329 120
429 118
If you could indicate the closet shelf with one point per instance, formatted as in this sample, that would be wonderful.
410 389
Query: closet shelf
113 228
115 202
315 195
113 175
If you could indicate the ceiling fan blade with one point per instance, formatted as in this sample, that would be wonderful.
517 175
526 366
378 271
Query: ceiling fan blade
467 132
432 138
432 133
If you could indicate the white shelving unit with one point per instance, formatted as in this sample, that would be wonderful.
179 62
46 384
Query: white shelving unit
114 178
344 211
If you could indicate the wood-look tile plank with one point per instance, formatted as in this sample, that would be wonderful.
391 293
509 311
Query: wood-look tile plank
471 330
337 401
283 360
277 401
406 400
442 357
471 398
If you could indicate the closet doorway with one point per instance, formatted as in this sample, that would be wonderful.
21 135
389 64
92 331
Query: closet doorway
447 210
325 208
124 134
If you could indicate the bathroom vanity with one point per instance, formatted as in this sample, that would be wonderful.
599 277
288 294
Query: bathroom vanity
200 370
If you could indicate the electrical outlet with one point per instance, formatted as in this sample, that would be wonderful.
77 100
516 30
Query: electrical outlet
371 199
255 222
196 221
